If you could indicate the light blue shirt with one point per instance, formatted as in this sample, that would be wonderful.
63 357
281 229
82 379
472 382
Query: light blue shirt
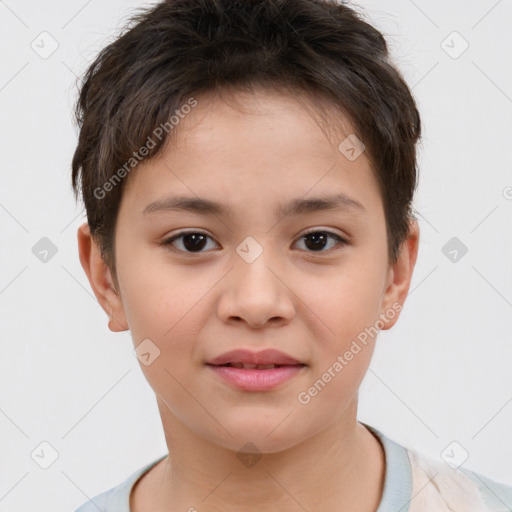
412 483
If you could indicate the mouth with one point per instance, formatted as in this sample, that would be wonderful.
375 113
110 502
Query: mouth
248 377
246 370
248 366
262 360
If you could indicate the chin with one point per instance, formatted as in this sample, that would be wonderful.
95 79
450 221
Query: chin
263 436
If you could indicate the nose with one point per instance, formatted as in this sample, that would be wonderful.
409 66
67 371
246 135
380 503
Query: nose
256 293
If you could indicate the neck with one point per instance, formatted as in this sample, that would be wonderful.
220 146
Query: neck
339 469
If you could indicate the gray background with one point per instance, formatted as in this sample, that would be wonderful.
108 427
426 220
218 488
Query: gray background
442 374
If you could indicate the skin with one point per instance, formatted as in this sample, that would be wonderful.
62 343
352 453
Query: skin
309 304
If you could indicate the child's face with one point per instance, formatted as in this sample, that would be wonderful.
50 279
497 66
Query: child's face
309 300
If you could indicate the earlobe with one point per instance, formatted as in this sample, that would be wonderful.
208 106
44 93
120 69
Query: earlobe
100 279
399 278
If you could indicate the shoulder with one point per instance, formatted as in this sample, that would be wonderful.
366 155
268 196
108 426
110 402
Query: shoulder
417 483
117 499
98 503
437 485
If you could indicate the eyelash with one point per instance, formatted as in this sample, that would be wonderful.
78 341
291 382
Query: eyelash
341 241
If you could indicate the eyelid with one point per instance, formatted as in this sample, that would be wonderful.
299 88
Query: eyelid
329 231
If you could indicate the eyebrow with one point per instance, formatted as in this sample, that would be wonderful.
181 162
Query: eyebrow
204 206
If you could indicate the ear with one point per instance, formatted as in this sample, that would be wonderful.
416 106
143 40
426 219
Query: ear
101 279
399 278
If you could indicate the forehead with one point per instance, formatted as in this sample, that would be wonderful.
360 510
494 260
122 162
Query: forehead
261 114
250 148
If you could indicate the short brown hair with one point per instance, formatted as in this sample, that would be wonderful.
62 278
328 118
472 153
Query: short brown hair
179 48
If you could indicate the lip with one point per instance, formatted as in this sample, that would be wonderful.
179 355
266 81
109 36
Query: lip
268 356
256 380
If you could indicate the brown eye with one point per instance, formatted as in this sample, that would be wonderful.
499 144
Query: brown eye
190 241
316 241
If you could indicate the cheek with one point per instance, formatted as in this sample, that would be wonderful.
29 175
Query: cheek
170 314
168 306
153 293
165 314
346 301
